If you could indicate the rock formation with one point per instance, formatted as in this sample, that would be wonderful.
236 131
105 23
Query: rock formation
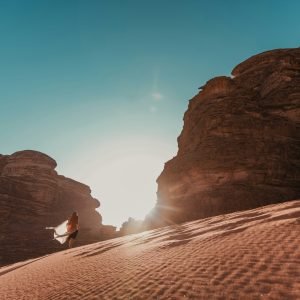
33 196
240 144
131 226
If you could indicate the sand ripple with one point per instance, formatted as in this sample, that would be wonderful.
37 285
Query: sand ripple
246 255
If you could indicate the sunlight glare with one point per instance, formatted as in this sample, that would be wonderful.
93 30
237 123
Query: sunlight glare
122 175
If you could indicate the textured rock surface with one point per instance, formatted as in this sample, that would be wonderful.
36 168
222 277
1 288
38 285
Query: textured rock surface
240 142
33 196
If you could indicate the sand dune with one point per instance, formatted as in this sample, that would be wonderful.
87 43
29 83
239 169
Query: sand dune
253 254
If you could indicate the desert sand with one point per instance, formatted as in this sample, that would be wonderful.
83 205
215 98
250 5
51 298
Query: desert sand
253 254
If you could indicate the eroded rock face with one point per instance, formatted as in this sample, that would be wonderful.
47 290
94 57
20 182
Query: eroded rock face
240 144
33 196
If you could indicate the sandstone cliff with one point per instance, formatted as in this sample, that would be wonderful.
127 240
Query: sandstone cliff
240 144
33 196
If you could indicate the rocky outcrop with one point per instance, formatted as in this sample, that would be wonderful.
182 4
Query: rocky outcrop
240 144
131 226
33 196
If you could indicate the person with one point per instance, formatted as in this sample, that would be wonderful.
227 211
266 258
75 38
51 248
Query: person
72 227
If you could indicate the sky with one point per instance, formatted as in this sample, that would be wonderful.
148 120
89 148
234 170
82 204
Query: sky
102 86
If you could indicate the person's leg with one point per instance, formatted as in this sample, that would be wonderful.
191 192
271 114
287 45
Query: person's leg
71 243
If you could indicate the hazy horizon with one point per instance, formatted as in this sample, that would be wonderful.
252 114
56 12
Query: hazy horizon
102 86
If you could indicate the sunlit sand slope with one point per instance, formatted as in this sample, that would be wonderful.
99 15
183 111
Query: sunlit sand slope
253 254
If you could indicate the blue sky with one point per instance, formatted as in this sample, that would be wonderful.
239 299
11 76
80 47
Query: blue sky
87 81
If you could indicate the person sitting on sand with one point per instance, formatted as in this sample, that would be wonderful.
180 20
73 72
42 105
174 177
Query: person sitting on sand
72 226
